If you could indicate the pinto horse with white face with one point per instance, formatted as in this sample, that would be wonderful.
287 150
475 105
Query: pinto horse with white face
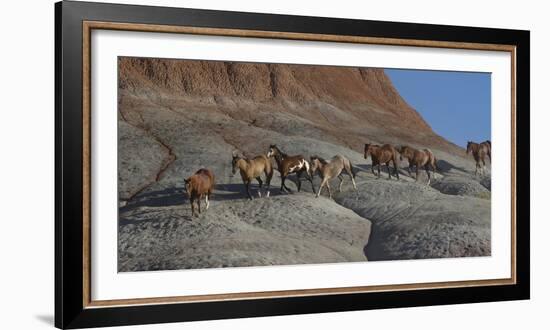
290 164
479 151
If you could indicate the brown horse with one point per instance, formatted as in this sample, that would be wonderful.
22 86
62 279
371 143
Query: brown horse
332 169
252 169
198 185
479 151
419 158
290 164
382 155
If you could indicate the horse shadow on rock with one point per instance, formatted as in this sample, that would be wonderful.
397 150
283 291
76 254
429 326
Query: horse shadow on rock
232 191
444 166
236 191
176 196
367 168
166 197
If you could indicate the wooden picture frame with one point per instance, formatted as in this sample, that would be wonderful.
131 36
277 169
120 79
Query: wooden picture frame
74 307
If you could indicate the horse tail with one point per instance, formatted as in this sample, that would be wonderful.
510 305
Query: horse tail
396 157
431 159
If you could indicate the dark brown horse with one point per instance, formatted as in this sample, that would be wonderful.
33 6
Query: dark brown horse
251 169
419 158
290 164
382 155
479 151
198 185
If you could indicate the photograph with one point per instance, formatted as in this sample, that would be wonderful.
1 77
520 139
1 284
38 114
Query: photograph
240 164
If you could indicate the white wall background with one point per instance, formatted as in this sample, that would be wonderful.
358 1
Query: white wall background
27 145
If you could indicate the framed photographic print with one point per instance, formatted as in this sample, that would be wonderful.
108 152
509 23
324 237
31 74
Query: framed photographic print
215 164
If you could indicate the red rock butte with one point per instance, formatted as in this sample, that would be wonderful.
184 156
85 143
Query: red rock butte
350 104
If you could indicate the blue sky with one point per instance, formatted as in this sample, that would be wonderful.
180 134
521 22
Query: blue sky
457 105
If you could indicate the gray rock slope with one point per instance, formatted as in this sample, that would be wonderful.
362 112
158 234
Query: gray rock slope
280 230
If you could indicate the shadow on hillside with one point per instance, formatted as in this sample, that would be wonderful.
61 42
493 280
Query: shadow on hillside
383 169
444 166
166 197
177 196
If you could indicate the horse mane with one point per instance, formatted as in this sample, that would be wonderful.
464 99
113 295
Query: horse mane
322 160
274 146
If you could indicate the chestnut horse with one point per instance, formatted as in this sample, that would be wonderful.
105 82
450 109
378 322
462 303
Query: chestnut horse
198 185
419 158
382 155
290 164
332 169
479 151
252 169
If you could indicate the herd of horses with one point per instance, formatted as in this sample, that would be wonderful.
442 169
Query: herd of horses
201 184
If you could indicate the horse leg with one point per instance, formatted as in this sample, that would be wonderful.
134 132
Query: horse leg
389 171
378 170
329 190
396 170
261 183
341 182
207 202
477 166
352 180
299 180
268 182
323 182
199 203
284 184
350 173
310 178
248 189
192 206
428 172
